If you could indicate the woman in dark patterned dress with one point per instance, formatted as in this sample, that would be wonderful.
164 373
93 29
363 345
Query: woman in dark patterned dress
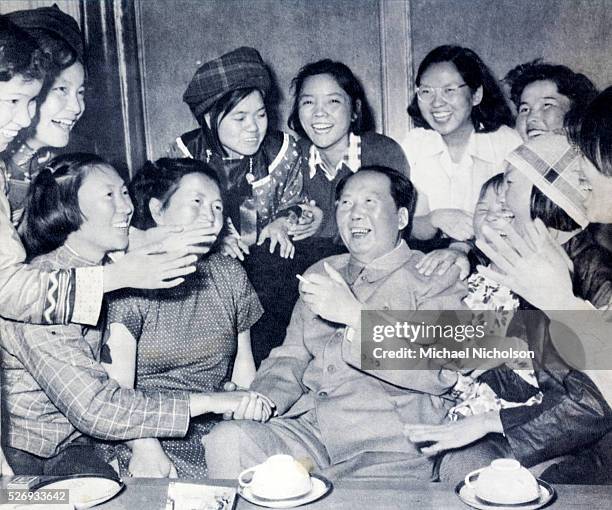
192 339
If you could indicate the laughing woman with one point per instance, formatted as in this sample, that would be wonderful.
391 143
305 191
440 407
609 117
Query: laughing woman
573 414
539 273
333 118
60 103
331 114
260 176
21 74
547 97
463 133
54 390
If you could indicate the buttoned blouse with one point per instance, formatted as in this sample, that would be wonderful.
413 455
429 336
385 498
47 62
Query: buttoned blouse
443 184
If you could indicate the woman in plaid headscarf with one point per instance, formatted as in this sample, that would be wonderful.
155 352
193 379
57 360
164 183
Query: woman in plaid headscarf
260 172
258 168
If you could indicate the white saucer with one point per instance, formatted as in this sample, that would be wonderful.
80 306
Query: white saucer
85 491
320 487
466 494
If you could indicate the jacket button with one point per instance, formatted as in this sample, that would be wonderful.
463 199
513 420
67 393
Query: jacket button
322 394
331 369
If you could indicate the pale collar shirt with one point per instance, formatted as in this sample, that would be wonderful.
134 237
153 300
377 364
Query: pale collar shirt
351 158
444 184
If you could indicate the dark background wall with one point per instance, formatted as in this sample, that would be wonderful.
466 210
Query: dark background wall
178 35
290 33
505 33
146 51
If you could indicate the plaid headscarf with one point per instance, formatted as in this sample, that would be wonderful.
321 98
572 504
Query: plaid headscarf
552 165
238 69
53 20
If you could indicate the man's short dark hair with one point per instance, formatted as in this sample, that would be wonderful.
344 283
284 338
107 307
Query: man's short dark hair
402 190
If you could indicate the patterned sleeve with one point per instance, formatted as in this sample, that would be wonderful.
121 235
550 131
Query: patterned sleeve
62 365
288 173
130 309
32 295
27 293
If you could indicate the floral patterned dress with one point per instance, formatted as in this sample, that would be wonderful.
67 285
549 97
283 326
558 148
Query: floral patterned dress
476 397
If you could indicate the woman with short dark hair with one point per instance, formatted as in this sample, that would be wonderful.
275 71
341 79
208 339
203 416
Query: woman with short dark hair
573 413
54 211
56 296
260 174
463 133
362 120
21 72
60 103
54 388
547 97
332 115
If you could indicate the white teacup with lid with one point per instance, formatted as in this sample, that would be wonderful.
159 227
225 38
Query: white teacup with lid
504 482
279 477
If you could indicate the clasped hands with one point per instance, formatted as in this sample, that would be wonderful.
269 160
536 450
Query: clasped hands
240 404
284 232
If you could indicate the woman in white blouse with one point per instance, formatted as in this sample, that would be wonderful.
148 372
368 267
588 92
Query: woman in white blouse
462 135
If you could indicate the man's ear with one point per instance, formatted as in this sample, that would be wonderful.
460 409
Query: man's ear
402 217
155 207
477 96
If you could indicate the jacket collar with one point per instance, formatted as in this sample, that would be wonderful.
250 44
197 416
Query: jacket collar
351 158
379 268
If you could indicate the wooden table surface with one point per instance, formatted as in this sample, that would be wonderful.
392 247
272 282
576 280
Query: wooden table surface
150 494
